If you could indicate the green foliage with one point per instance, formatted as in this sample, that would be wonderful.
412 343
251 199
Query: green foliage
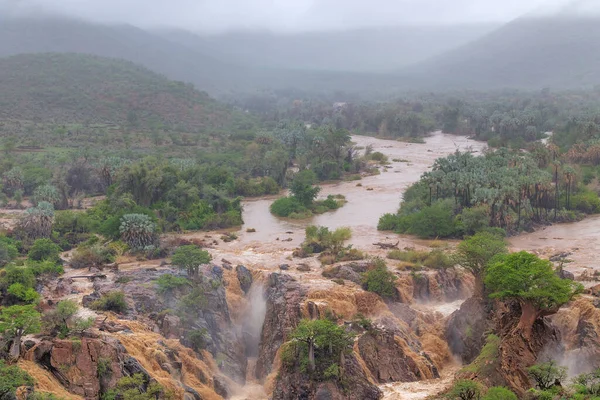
47 193
199 339
499 393
95 256
22 293
19 320
586 201
168 282
8 252
589 384
285 206
388 222
104 367
526 277
11 378
318 345
191 303
44 250
465 390
474 219
546 375
436 259
475 252
319 239
138 231
435 221
43 396
484 363
111 301
135 387
37 221
302 188
190 258
380 280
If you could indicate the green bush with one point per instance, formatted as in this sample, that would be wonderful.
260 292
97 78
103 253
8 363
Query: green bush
135 387
95 256
111 301
388 222
465 390
8 252
286 206
474 219
11 378
586 202
381 281
44 250
499 393
546 375
435 221
168 282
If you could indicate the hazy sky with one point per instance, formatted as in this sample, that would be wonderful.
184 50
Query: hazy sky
284 15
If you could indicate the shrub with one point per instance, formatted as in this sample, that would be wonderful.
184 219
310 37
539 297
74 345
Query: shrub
435 221
546 375
111 301
37 222
198 339
47 193
589 383
135 387
586 202
465 390
474 219
286 206
190 258
44 250
138 231
92 257
379 280
499 393
168 282
8 252
11 378
388 222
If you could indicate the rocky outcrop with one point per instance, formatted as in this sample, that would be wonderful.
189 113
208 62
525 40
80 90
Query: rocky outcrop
390 359
284 297
514 352
444 285
88 367
244 276
579 325
350 272
466 329
298 386
210 315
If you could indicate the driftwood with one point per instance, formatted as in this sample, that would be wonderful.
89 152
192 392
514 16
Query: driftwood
97 276
387 245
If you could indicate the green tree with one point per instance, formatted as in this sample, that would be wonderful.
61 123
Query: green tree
47 193
8 252
11 378
16 321
321 343
499 393
190 258
302 187
465 390
475 252
137 230
44 250
547 375
37 221
533 283
380 280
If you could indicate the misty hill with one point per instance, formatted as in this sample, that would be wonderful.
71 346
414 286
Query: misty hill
37 35
554 52
374 49
69 88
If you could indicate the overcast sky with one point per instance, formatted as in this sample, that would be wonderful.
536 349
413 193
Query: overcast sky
285 15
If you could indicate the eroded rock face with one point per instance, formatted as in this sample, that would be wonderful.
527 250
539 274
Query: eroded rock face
244 277
388 359
223 339
298 386
579 325
284 297
443 285
466 328
88 367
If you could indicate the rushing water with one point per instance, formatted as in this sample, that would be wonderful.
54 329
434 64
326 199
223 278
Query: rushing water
377 194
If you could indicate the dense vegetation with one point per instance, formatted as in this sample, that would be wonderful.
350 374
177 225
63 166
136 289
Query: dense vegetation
465 194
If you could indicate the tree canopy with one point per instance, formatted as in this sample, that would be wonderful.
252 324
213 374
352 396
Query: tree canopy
190 257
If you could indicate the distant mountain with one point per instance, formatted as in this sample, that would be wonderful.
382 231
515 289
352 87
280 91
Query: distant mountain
363 50
553 51
36 35
77 88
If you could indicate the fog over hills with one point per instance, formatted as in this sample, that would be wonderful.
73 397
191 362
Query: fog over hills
557 45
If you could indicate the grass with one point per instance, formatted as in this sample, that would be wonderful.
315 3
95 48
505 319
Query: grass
484 362
435 259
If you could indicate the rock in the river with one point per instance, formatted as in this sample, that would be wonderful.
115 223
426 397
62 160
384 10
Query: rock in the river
244 277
